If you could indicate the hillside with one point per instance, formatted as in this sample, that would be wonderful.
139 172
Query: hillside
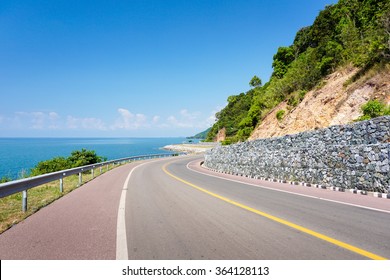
200 135
331 69
331 104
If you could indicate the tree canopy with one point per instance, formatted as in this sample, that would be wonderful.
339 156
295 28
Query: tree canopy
351 31
76 159
255 82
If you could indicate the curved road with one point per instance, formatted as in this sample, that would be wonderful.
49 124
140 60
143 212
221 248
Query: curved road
174 209
80 225
174 212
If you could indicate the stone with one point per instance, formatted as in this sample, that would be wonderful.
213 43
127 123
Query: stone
323 157
359 159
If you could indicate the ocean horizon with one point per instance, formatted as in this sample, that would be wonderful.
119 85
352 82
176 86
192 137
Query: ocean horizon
19 154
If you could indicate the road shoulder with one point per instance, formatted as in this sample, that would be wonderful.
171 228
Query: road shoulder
348 198
80 225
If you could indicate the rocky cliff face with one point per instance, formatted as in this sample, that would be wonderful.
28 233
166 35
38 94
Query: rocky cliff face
221 135
332 104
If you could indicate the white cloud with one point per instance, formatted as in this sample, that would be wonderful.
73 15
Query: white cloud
38 120
53 120
183 121
130 121
85 123
211 119
189 116
187 119
35 120
53 116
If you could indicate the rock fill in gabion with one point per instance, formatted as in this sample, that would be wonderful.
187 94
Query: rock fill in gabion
353 156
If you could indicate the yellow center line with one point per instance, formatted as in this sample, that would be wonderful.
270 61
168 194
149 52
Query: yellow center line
281 221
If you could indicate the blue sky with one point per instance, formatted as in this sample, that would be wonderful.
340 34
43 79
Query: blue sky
135 68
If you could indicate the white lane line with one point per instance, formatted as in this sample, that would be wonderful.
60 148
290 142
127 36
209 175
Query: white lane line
121 237
289 192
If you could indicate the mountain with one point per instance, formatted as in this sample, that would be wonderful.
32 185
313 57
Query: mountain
201 135
340 61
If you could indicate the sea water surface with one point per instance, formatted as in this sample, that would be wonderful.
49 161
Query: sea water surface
19 155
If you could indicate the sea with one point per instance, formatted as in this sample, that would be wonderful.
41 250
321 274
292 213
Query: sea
19 155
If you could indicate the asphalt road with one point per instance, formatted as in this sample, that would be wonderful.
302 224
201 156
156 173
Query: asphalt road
174 209
80 226
173 212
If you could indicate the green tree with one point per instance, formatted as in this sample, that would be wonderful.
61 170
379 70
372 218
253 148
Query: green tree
255 82
231 116
84 157
301 41
76 159
51 165
282 59
351 31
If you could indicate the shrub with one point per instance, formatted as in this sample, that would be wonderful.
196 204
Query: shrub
77 158
51 165
83 157
5 179
373 109
244 133
296 97
280 114
226 142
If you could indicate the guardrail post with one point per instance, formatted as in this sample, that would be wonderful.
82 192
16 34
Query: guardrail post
24 201
61 184
19 185
93 173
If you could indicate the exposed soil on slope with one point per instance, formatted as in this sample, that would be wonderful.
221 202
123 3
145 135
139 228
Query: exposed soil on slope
332 104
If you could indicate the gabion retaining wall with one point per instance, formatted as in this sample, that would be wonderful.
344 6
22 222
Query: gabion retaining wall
354 156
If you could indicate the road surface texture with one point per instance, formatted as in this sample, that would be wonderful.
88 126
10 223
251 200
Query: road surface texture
80 225
173 212
175 209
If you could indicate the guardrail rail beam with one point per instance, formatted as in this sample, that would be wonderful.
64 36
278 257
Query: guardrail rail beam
22 185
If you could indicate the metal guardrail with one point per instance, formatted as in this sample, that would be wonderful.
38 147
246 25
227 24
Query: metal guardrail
23 185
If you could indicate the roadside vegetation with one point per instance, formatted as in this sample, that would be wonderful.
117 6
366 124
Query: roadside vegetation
350 32
76 159
11 206
5 179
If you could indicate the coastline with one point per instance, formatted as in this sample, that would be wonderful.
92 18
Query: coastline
19 155
198 148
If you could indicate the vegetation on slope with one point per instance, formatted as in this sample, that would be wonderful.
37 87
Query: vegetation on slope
351 31
200 135
374 109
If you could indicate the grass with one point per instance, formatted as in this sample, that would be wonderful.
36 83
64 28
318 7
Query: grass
11 206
